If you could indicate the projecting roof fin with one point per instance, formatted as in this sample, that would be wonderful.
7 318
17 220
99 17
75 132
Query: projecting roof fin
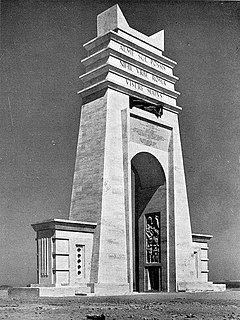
113 19
158 38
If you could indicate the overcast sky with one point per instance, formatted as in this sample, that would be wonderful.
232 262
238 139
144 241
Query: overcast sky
40 60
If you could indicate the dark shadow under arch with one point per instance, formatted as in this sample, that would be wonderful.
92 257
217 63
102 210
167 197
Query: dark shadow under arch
149 223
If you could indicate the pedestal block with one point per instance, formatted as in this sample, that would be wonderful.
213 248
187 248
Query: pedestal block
64 254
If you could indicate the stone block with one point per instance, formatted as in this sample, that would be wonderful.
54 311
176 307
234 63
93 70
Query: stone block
219 287
56 292
111 289
185 286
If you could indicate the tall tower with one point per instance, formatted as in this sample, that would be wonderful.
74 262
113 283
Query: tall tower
129 225
129 159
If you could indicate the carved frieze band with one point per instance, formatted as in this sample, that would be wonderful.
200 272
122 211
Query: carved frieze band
138 56
141 88
117 63
141 73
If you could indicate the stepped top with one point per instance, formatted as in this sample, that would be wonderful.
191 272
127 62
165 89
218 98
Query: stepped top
113 19
126 60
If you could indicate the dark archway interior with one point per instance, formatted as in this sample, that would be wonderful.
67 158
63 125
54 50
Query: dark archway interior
148 204
149 176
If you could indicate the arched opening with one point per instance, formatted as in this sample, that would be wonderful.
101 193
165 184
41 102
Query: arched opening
149 224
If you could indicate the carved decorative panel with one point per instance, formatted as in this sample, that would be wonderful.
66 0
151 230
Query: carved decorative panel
152 235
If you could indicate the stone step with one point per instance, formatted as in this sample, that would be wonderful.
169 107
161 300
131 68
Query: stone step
36 292
185 286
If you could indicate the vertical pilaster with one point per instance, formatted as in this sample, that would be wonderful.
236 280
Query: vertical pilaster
183 232
113 265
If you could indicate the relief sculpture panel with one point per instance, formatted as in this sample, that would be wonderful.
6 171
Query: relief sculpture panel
152 234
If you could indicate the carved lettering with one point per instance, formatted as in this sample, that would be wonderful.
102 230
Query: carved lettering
142 58
149 134
157 64
134 84
141 72
158 79
154 93
126 65
148 143
126 50
116 255
138 86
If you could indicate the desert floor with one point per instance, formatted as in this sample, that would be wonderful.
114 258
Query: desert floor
153 306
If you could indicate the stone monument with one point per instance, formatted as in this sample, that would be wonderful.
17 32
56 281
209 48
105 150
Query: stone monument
129 225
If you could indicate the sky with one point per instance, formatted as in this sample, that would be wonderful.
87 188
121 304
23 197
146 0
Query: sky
41 52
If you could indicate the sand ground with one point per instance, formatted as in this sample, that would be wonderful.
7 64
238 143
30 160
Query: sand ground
153 306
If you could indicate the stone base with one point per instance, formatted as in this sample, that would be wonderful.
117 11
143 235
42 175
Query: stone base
219 287
90 289
185 286
79 289
53 292
98 289
57 292
111 289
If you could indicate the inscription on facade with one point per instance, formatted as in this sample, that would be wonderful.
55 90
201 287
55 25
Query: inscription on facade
149 91
149 134
142 73
116 255
140 88
142 58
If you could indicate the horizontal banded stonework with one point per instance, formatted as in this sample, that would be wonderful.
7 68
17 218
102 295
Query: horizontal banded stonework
117 61
128 50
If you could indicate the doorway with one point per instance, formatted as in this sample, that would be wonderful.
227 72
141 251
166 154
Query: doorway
149 224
